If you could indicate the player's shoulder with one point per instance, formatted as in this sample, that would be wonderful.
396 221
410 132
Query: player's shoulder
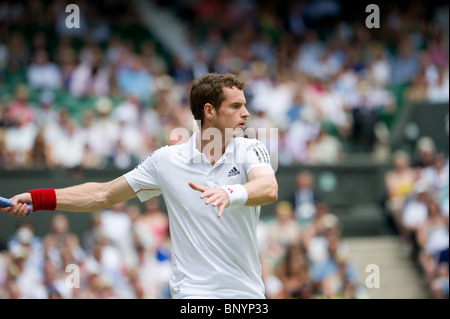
161 155
158 153
248 143
167 150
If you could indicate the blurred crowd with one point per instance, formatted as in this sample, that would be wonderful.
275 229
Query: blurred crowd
301 249
125 253
417 206
328 83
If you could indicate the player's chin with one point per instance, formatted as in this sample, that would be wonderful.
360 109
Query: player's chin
240 129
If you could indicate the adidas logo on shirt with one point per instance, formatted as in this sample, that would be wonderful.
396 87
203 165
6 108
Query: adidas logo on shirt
234 171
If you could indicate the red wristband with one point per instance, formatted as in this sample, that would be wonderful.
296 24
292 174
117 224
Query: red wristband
43 199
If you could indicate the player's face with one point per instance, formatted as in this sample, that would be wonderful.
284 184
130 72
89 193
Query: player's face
232 113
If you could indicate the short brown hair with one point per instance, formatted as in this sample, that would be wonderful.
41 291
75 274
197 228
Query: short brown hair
209 89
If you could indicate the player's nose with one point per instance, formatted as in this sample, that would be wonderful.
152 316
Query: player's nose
245 113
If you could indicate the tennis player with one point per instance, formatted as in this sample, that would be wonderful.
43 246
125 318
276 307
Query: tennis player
213 186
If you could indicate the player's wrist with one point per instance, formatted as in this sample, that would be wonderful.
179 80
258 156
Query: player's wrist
237 194
43 199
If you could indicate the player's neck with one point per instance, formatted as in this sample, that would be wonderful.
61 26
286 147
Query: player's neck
212 145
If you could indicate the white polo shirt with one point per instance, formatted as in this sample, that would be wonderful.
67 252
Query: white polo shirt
211 257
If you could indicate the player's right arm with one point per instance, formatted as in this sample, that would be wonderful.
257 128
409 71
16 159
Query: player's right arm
85 197
93 196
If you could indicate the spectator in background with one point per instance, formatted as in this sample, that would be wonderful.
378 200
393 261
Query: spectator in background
121 158
94 234
68 148
294 274
20 109
141 237
103 269
91 78
155 220
134 79
128 110
27 256
380 69
300 133
25 236
19 140
281 232
152 274
298 105
55 282
116 227
93 155
169 110
417 91
7 160
275 98
438 92
179 70
199 64
366 104
436 175
59 239
438 48
399 182
130 139
414 214
433 238
331 109
338 276
304 197
440 284
43 74
424 153
67 66
320 262
24 275
316 226
325 149
405 63
45 113
101 134
56 127
18 52
39 155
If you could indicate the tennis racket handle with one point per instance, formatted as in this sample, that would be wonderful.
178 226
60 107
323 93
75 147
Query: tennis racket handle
4 202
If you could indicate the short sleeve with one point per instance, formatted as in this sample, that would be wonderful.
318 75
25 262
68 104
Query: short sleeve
144 178
256 155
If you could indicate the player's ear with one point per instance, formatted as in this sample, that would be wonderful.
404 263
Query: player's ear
209 110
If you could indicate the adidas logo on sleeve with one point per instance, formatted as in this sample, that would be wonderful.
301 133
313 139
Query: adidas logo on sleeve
234 171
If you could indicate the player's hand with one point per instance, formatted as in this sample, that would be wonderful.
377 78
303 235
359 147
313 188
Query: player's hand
218 197
19 207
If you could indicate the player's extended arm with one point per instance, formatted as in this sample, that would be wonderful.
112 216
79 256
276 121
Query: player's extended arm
85 197
93 196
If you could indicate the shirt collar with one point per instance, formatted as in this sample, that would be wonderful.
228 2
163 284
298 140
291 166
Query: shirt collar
196 155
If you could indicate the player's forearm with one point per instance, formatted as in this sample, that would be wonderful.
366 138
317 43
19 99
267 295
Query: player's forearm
82 198
93 196
261 191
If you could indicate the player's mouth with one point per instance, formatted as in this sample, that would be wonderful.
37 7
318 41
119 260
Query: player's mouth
242 125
